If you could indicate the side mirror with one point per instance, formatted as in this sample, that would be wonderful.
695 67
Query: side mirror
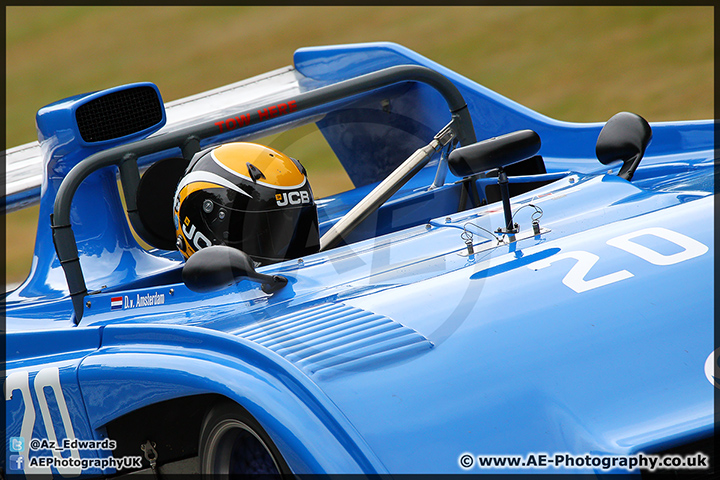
624 138
496 152
219 266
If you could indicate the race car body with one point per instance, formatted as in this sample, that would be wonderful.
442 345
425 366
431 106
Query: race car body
498 286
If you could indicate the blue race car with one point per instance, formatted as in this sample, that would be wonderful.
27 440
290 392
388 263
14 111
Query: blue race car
499 292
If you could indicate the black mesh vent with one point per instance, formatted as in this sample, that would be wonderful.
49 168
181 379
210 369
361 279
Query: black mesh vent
119 114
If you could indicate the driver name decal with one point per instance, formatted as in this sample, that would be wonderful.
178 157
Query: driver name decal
126 302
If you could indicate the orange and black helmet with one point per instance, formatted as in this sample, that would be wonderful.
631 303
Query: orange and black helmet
246 196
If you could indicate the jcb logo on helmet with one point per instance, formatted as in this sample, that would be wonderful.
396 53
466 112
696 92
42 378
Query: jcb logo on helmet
195 236
292 198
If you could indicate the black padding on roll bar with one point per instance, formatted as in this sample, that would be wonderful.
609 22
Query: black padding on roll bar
155 200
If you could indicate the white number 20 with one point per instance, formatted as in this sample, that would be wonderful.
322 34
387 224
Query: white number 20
45 378
575 278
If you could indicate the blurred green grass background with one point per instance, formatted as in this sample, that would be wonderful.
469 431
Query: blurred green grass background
571 63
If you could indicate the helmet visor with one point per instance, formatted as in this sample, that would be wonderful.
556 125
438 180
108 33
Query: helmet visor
270 235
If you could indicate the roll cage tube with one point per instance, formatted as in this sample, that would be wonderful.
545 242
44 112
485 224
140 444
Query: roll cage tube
386 188
188 139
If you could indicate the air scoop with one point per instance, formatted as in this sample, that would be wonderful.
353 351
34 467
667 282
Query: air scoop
92 227
624 138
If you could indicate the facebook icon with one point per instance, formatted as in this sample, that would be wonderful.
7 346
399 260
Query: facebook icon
16 462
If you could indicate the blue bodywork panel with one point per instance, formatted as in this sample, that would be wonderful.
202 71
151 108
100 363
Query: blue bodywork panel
397 351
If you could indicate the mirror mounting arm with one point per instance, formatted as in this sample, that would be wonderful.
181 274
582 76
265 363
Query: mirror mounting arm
503 182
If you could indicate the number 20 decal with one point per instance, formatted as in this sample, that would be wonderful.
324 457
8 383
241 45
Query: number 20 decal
575 278
45 378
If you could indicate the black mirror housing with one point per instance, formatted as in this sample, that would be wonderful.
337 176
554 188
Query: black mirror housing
624 138
220 266
496 152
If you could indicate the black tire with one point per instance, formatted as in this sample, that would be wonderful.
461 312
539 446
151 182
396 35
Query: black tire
232 443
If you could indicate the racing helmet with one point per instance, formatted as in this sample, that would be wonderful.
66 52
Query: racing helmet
246 196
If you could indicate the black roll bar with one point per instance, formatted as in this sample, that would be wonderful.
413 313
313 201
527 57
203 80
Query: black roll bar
188 139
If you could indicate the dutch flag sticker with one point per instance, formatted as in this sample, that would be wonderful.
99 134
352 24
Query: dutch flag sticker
116 303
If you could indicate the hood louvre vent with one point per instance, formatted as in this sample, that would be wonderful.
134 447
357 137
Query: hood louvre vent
331 339
119 114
